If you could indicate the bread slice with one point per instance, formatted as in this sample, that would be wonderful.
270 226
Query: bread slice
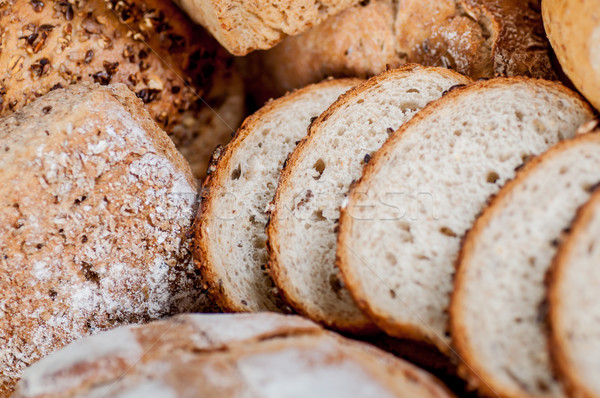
230 227
573 28
478 38
402 225
229 356
245 26
302 231
573 305
497 313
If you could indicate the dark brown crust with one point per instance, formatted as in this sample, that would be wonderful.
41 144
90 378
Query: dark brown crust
218 173
567 373
478 38
469 367
357 326
383 320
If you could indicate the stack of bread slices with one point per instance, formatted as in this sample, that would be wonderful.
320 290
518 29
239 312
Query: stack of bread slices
423 180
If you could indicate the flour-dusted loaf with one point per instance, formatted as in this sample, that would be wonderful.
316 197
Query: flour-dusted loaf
96 210
244 26
498 308
573 305
573 28
224 355
150 46
478 38
230 228
402 225
303 226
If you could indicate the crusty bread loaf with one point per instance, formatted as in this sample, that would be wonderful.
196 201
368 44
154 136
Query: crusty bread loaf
497 313
150 46
302 230
95 208
401 228
573 28
478 38
244 26
230 228
219 355
573 305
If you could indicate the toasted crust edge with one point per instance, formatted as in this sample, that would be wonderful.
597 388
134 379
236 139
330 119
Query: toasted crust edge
405 330
218 172
360 326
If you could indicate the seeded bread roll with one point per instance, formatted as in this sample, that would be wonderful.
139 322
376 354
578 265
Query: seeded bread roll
95 209
573 28
220 355
243 26
478 38
230 236
150 46
498 308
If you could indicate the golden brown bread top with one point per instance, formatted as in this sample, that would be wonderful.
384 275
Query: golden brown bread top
95 207
150 46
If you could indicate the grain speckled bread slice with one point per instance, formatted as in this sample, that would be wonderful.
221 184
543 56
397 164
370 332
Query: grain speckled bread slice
95 206
478 38
498 307
573 28
302 230
230 228
243 26
573 305
402 225
245 355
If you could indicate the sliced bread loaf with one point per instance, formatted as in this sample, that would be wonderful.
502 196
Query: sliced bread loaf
574 314
230 227
478 38
497 314
302 231
402 225
229 356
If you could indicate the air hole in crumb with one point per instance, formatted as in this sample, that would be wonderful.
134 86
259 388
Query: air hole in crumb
39 246
448 232
492 177
319 168
413 90
519 115
244 303
52 293
391 258
392 294
390 130
235 174
335 283
318 215
457 133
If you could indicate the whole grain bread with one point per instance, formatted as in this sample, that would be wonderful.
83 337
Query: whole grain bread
178 70
498 308
219 355
573 28
401 228
478 38
230 238
302 230
96 205
573 310
243 26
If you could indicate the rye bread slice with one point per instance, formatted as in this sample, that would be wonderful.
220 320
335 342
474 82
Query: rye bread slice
229 356
302 231
498 308
230 227
402 225
573 298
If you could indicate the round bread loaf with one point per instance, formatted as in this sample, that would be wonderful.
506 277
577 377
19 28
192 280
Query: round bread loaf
176 68
219 355
573 28
95 209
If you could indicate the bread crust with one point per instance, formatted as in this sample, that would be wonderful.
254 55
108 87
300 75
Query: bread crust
381 318
573 28
567 374
242 27
145 45
478 38
361 325
214 182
